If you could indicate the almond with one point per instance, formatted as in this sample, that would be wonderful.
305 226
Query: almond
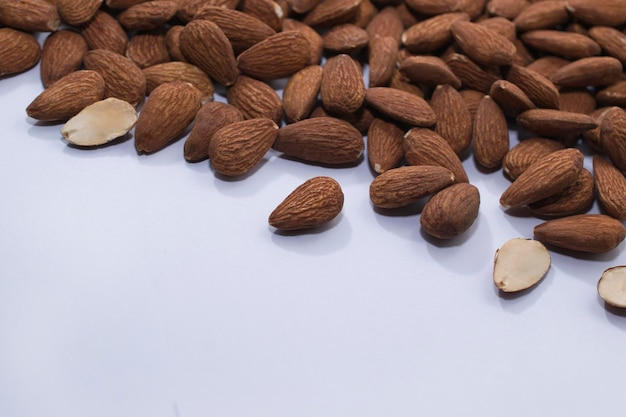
425 147
611 40
454 121
204 44
267 11
555 123
188 9
594 71
472 99
172 40
429 71
471 75
593 233
542 15
342 89
179 71
451 211
312 204
433 7
520 264
238 147
104 32
255 99
77 12
210 118
177 102
490 134
431 34
612 285
384 145
606 12
19 51
386 23
124 4
62 53
507 8
402 186
303 6
613 136
148 48
575 199
511 99
401 106
365 13
399 82
537 87
345 39
277 56
483 45
564 44
147 16
300 93
578 100
544 178
29 15
382 60
527 152
613 95
547 65
611 187
316 43
331 13
500 25
323 140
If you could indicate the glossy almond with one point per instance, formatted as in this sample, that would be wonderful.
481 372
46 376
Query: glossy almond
19 50
342 89
606 12
255 99
593 233
451 211
425 147
401 106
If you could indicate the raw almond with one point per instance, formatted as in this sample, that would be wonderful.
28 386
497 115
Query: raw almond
594 71
148 48
29 15
77 12
300 93
177 102
611 187
578 100
384 145
575 199
402 186
386 23
345 39
323 140
527 152
431 34
312 204
19 51
316 43
451 211
547 65
147 16
62 53
500 25
67 96
425 147
471 74
267 11
507 8
124 4
401 106
511 99
188 9
454 121
238 147
429 71
542 15
613 95
342 89
303 6
613 136
172 40
433 7
255 99
490 134
555 123
382 60
331 13
612 286
606 12
103 31
537 87
593 233
564 44
546 177
483 45
179 71
611 40
520 264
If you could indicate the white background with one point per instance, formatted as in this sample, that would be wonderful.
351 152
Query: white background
146 286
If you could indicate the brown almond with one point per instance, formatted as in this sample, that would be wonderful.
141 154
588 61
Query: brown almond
555 123
542 15
382 60
425 147
454 121
526 153
433 7
384 145
103 31
331 13
316 43
537 87
613 136
575 199
402 186
147 16
188 9
19 50
312 204
67 96
148 48
592 136
593 71
386 23
451 211
611 187
177 102
611 40
123 4
255 99
606 12
549 175
564 44
401 106
500 25
472 99
210 118
303 6
342 89
593 233
429 71
238 147
547 65
300 93
490 134
179 71
399 82
472 76
483 45
323 140
474 8
511 99
62 53
172 40
29 15
267 11
77 12
578 100
507 8
345 38
431 34
277 56
613 95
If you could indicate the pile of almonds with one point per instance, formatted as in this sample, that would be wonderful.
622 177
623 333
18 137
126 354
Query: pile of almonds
445 80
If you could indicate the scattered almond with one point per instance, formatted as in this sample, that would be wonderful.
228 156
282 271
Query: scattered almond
451 211
520 264
612 286
593 233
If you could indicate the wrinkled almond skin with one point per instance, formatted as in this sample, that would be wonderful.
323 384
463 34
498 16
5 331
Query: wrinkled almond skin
565 44
384 145
613 136
62 53
402 186
511 99
592 233
593 71
425 147
432 7
546 177
606 12
555 123
575 199
429 71
611 40
451 211
77 12
68 96
323 140
342 88
345 39
179 71
542 15
148 48
312 204
611 187
300 93
470 73
177 102
382 60
210 118
431 34
30 15
331 13
255 99
147 16
19 51
316 43
104 32
483 45
401 106
527 152
539 89
238 147
454 121
490 134
386 23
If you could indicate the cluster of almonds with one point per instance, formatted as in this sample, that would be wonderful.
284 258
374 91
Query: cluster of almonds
445 79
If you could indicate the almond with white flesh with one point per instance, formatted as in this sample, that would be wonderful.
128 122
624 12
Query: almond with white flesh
451 211
77 12
323 140
179 71
384 145
574 199
19 50
610 186
527 152
402 186
401 106
483 45
591 233
312 204
68 96
238 147
342 89
255 98
177 102
555 123
425 147
593 71
613 136
300 93
431 34
454 121
100 123
429 71
612 286
62 53
546 177
30 15
520 264
490 134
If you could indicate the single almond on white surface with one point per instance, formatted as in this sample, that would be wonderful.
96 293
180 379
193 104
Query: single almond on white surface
612 286
100 122
519 264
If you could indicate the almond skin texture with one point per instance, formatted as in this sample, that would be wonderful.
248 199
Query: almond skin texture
483 45
431 34
68 96
451 211
611 187
384 145
62 53
331 13
593 233
527 152
429 71
401 106
312 204
238 147
342 89
177 102
606 12
593 71
316 43
29 15
575 199
147 16
425 147
470 73
148 48
542 15
490 134
613 136
179 71
546 177
555 123
105 32
454 121
537 87
19 51
402 186
345 39
77 12
511 99
323 140
254 99
383 53
565 44
300 93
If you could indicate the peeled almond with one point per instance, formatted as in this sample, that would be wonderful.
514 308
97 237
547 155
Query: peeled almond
100 122
519 264
612 286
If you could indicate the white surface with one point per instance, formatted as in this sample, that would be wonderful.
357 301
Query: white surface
146 286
